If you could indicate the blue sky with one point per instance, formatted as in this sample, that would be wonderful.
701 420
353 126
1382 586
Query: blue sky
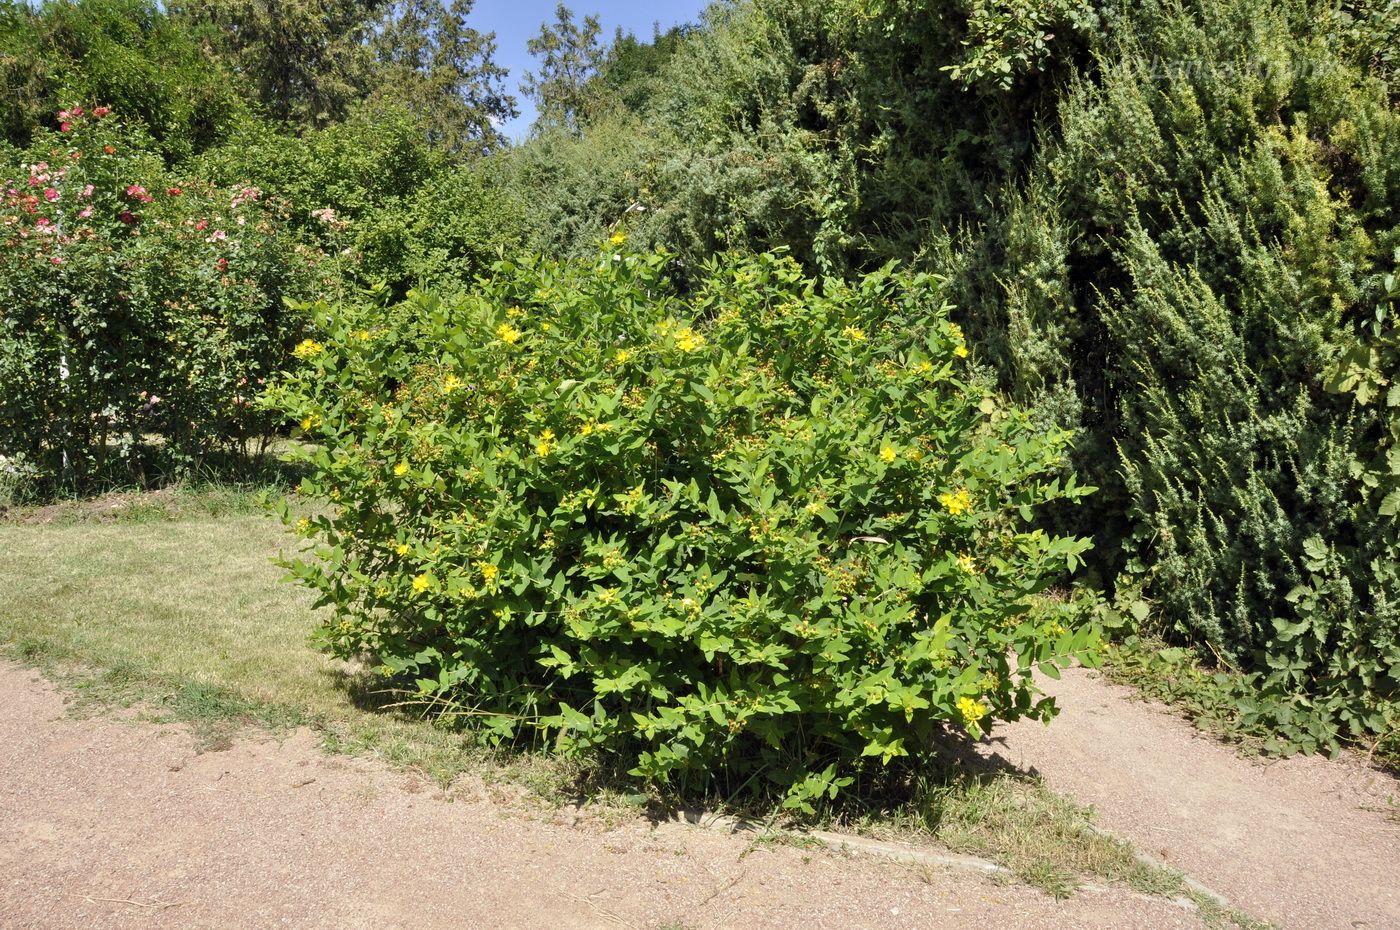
515 22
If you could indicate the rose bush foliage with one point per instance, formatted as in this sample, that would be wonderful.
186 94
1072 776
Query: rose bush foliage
140 311
772 527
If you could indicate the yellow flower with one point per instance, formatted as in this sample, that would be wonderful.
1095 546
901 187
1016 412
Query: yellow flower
854 333
688 340
960 347
544 327
546 443
421 584
308 348
972 711
451 383
967 563
888 455
308 423
303 525
401 469
508 334
587 427
402 549
622 356
363 335
514 312
618 238
956 502
923 368
488 571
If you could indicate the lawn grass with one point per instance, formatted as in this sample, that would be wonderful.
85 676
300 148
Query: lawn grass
177 608
183 611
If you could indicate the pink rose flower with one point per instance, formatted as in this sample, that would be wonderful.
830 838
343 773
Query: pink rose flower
101 111
50 194
243 196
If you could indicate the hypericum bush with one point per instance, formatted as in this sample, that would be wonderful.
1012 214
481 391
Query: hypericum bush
140 311
772 527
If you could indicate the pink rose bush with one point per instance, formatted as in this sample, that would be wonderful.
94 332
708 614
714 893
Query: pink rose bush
120 283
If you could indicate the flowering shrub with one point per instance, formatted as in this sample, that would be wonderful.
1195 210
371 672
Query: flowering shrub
771 527
138 310
374 193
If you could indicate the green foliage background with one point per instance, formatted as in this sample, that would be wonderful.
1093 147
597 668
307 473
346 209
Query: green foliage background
1169 227
125 54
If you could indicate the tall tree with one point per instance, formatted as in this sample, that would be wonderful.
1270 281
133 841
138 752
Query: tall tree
443 71
304 58
312 60
570 56
634 69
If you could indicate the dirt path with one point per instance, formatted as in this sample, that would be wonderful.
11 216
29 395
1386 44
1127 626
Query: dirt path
112 824
1304 842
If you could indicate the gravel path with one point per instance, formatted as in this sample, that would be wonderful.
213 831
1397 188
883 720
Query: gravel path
1303 842
114 824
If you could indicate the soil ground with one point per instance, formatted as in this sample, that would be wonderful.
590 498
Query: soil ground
115 823
1304 842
